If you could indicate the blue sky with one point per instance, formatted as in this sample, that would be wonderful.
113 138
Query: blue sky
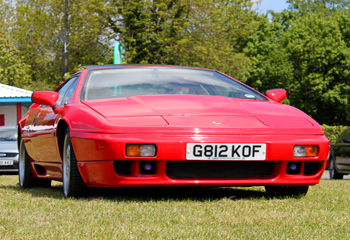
276 5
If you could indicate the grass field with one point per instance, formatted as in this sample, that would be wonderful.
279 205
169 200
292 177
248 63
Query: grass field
174 213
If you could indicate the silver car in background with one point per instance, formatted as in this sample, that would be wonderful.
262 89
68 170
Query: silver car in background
8 149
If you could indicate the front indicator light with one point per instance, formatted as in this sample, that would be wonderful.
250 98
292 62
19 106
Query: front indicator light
305 151
133 150
140 150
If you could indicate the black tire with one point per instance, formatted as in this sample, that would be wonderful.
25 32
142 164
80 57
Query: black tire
290 191
333 174
73 184
25 175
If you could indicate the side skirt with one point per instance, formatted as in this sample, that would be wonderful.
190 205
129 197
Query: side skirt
47 170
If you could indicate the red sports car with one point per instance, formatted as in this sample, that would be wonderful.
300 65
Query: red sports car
125 126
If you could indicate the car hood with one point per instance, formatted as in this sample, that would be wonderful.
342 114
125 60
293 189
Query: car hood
199 111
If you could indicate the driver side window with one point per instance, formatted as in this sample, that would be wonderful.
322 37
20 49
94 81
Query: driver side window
64 89
345 134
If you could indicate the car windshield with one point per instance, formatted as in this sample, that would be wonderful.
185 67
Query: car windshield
127 82
8 134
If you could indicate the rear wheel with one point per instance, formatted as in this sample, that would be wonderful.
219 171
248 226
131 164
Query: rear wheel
73 184
287 191
333 174
25 175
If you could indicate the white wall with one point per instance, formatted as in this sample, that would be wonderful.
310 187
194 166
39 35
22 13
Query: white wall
10 113
24 110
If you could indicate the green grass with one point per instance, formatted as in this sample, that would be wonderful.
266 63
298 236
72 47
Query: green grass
174 213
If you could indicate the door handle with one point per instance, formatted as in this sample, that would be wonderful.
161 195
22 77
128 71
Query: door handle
34 121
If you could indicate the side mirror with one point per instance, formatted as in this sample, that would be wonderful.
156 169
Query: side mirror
277 94
46 98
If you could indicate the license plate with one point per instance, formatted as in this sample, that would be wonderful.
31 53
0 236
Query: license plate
6 162
223 151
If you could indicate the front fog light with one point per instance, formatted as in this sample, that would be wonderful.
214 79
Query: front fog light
293 167
305 151
140 150
147 167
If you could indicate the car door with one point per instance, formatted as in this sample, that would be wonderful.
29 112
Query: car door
342 151
44 126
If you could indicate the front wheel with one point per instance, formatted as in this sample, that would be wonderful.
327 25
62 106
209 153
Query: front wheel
73 184
285 191
25 175
333 174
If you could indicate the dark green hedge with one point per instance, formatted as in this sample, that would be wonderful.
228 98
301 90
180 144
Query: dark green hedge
333 132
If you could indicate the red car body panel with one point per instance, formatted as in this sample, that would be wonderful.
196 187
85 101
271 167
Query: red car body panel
101 129
100 150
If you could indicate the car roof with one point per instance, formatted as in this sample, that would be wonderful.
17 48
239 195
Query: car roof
138 65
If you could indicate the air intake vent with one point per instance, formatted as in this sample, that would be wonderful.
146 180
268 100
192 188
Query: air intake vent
219 169
312 167
122 167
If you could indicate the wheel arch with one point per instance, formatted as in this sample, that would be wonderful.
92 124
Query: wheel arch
20 126
334 159
61 131
19 135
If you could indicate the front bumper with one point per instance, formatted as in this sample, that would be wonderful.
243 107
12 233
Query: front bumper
98 156
104 174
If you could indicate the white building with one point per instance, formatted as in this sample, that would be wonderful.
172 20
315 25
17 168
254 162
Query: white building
14 103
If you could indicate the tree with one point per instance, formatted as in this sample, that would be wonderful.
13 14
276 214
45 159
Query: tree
309 56
184 32
271 66
325 6
181 32
6 13
35 32
13 71
321 62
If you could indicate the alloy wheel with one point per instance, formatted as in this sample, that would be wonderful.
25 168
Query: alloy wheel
66 165
21 160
